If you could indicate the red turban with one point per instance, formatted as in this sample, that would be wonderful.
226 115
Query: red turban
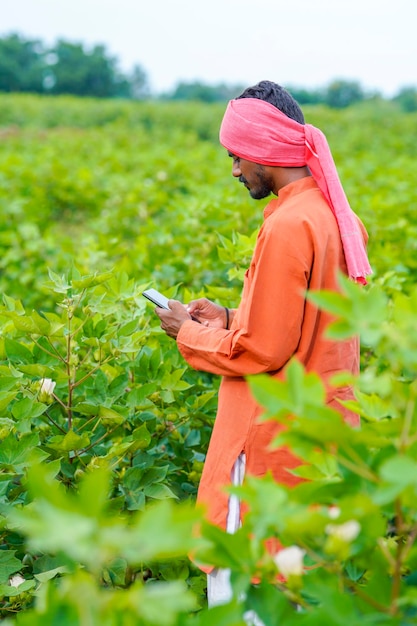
257 131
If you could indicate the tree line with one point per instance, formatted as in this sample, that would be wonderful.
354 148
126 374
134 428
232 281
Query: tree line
27 65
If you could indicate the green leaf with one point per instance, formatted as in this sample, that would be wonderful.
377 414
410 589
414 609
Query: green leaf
68 442
17 352
331 301
13 305
135 501
136 478
358 311
167 396
43 577
15 453
298 394
85 408
164 530
159 491
31 324
116 571
229 614
37 370
270 393
60 284
304 388
372 406
142 437
399 470
94 492
127 329
42 324
138 398
91 281
266 600
110 415
5 399
160 602
7 383
9 564
28 408
225 550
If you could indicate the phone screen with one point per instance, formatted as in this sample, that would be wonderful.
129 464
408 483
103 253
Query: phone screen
157 298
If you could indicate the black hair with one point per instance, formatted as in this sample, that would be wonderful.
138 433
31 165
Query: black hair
276 95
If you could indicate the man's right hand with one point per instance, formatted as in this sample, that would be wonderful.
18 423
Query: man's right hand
208 313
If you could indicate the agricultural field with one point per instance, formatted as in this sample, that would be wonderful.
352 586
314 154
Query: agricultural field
104 428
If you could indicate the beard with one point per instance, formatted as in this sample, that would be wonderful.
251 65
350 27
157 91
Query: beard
261 187
260 192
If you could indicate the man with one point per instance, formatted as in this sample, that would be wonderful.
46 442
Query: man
308 235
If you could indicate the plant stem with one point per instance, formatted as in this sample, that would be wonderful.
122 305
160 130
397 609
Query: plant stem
86 423
364 472
396 579
68 364
90 373
55 423
64 406
408 419
55 353
366 598
410 542
93 443
359 461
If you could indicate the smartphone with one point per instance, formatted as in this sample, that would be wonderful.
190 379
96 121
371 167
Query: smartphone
157 298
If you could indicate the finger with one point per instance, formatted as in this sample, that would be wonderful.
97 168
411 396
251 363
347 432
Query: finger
175 305
199 303
197 306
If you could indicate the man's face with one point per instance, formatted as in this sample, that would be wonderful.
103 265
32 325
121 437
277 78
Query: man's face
253 176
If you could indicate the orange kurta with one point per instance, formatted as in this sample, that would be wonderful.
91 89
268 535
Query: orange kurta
298 249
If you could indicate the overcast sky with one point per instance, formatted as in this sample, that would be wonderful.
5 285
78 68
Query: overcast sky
304 43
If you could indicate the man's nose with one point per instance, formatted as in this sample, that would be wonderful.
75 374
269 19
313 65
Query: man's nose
236 171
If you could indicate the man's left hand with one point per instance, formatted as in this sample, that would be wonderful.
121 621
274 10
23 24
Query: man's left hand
173 318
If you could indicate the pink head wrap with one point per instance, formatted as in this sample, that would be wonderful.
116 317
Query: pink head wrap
257 131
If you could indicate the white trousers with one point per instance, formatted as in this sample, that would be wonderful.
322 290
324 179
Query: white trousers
219 590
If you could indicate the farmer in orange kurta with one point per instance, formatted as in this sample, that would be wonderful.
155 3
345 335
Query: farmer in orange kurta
298 248
308 235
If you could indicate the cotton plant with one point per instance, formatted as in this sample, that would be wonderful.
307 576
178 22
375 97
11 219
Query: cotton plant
344 538
85 387
351 522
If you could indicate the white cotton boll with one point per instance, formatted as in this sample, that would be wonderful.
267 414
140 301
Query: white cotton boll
46 390
289 561
47 386
334 512
16 580
347 531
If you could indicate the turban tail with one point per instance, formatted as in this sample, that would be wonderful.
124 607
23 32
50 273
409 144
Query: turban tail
257 131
